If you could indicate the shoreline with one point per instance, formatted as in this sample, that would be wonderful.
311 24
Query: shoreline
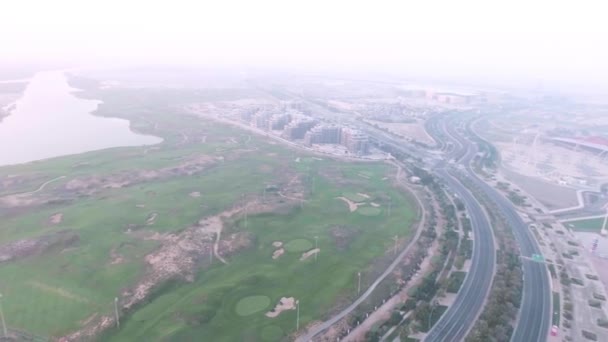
12 100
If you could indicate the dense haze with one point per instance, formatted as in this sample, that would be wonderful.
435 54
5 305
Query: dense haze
546 43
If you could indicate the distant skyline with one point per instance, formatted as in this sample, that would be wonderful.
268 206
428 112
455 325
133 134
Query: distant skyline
550 43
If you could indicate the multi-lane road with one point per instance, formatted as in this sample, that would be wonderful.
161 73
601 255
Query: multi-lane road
535 309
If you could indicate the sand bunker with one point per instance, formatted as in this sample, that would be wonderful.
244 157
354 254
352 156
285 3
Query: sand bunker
373 204
352 206
285 303
277 244
309 253
278 253
195 194
151 219
56 218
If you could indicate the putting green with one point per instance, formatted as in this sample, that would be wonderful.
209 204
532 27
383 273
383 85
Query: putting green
298 245
369 211
354 197
271 333
252 304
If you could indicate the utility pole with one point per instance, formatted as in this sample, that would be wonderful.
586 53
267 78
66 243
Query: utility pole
316 246
297 315
4 330
431 315
396 239
359 283
246 210
116 312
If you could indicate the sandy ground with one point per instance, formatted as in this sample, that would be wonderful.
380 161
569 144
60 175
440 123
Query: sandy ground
195 194
285 303
56 218
414 131
309 253
352 206
276 254
553 196
553 163
151 219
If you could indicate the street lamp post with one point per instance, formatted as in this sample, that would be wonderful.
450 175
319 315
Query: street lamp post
396 238
431 315
4 330
316 247
116 312
297 315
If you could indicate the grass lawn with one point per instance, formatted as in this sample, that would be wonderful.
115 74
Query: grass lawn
56 292
455 281
588 225
556 309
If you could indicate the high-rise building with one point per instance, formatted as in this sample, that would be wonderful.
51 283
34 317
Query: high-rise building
323 134
297 128
279 121
355 141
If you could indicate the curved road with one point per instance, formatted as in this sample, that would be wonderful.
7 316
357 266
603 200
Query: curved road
535 310
460 317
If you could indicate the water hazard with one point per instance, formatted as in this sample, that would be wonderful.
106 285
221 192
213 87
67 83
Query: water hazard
50 121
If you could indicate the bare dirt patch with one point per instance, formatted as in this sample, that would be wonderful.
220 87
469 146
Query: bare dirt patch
343 236
276 254
352 206
115 257
551 195
285 303
413 130
36 246
91 184
309 253
56 218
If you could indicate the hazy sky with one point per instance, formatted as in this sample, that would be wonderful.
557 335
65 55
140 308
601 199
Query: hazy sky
539 40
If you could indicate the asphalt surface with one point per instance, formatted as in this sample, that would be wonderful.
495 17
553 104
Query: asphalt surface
535 310
460 317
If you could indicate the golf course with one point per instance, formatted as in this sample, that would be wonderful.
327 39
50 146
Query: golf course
214 232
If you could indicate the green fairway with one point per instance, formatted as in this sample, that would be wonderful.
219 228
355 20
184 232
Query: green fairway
588 225
355 197
298 245
252 304
272 333
131 202
369 211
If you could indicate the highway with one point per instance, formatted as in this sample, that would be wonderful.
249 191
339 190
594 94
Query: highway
460 317
535 310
